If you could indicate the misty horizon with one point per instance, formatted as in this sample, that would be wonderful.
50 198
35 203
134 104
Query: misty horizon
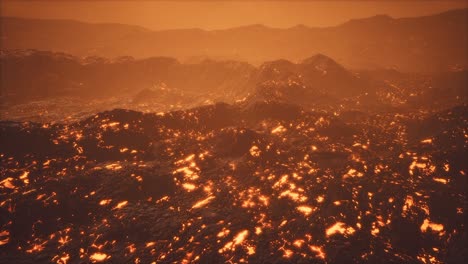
237 11
239 26
442 35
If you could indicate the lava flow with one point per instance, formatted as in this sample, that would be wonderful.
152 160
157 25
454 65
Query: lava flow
205 186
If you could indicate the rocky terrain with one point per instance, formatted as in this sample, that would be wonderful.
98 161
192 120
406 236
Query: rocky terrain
44 86
260 181
157 161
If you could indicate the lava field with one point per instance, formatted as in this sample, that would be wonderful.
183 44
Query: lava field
225 183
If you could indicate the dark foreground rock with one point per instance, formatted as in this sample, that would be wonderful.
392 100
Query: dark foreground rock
263 183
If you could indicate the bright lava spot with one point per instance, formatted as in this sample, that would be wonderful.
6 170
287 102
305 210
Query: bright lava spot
433 226
121 205
288 253
238 239
203 202
4 237
188 186
318 251
443 181
306 210
320 199
7 183
341 228
98 257
223 233
65 258
105 202
278 130
113 166
255 151
298 243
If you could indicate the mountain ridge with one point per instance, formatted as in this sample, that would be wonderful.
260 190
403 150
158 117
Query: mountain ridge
383 17
405 44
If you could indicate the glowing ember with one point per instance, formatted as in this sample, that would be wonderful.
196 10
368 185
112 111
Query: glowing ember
122 150
64 240
255 151
110 125
121 205
306 210
113 166
339 227
294 196
238 239
432 226
408 203
203 202
150 244
190 158
65 258
24 177
278 130
7 183
320 199
131 248
4 237
98 257
447 167
287 253
105 202
258 230
318 250
353 173
416 165
189 186
298 243
250 250
282 181
444 181
36 248
223 233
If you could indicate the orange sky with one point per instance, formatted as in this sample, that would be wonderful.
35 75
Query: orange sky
222 14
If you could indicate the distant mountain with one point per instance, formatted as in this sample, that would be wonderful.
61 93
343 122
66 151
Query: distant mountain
32 74
165 83
316 80
430 43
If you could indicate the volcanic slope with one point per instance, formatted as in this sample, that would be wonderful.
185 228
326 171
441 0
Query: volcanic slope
262 183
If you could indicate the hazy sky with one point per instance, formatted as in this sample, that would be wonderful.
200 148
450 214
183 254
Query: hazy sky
223 14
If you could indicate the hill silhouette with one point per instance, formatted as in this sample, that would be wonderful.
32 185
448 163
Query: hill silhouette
429 43
34 79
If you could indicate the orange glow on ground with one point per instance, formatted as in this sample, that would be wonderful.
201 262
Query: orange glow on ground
98 257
